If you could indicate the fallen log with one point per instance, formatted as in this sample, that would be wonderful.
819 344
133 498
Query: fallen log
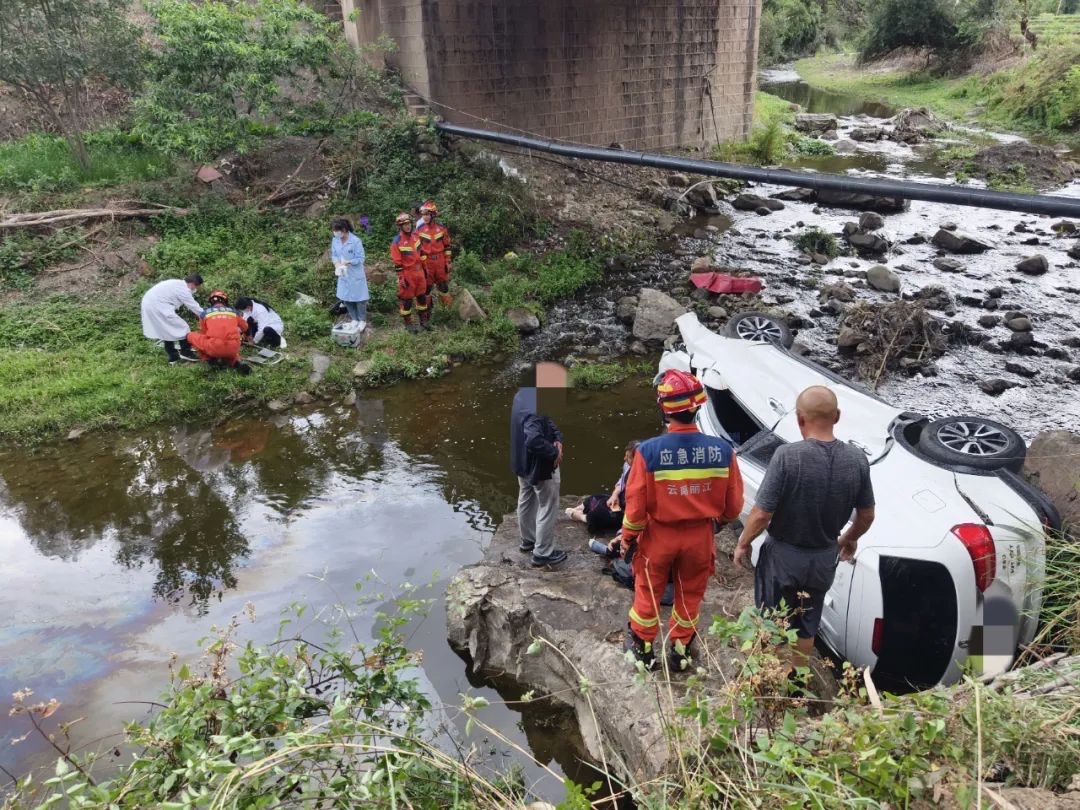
39 219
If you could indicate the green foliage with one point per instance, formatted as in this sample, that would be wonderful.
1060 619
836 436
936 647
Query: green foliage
485 211
910 24
51 49
1044 90
789 28
46 163
216 78
812 147
605 375
1011 178
816 240
325 724
1060 626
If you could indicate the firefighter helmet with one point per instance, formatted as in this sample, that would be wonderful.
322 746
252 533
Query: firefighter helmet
403 219
678 391
219 296
429 208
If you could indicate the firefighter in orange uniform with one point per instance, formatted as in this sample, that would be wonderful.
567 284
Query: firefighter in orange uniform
412 282
218 338
679 484
435 242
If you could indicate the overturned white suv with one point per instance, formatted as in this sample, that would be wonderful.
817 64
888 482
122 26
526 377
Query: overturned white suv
952 569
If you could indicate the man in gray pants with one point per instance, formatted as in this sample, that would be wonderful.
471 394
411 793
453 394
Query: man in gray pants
535 456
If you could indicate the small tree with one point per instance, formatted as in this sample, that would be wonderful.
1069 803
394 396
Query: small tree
219 70
53 49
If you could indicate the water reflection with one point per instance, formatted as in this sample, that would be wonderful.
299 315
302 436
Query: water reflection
120 550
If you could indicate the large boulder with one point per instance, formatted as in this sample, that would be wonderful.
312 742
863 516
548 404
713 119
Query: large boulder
862 202
871 221
524 321
957 242
703 197
752 202
1034 265
867 134
626 308
655 315
916 126
1053 462
868 243
499 606
882 278
815 123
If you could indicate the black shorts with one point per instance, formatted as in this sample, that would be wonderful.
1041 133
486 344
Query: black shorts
797 576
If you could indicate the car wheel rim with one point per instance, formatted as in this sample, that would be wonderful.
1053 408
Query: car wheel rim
759 330
973 438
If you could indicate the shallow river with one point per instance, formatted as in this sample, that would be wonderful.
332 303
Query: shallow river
119 551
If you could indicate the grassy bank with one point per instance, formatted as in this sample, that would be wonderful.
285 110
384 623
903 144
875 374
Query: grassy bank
772 138
1039 97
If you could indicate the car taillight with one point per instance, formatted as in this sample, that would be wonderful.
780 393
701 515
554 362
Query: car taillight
875 640
980 545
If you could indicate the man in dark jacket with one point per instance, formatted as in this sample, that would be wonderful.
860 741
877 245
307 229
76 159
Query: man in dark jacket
535 456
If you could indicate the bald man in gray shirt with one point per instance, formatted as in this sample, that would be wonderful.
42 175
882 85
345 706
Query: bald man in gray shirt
808 494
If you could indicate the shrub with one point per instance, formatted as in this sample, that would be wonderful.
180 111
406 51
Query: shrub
816 240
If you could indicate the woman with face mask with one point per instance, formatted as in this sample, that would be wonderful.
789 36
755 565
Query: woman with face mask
347 253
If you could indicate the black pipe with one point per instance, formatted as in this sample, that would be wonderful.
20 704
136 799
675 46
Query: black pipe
879 187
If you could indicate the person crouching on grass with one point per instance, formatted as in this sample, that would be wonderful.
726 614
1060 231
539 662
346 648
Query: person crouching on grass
218 337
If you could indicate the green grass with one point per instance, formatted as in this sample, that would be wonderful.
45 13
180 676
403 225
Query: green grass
816 240
1054 26
772 140
45 163
605 375
1041 96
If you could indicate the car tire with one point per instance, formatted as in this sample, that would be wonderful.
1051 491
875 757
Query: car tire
970 441
759 327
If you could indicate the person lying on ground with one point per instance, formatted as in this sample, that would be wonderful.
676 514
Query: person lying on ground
603 512
264 325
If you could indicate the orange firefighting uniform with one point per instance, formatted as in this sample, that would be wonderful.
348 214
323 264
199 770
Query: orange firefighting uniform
219 333
435 244
679 483
412 278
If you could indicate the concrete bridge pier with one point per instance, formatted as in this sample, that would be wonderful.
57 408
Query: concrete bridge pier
647 74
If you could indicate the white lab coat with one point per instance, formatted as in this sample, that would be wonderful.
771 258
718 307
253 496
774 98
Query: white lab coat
159 306
265 318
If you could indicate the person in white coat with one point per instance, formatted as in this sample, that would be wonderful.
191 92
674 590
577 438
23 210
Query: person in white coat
265 327
160 320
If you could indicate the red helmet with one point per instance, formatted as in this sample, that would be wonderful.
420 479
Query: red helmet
220 296
429 208
403 219
679 391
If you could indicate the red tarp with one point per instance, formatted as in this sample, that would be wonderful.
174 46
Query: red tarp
723 283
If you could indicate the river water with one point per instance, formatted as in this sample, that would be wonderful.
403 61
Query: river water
121 550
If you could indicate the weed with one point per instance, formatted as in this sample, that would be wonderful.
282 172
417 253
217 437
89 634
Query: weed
812 147
605 375
816 240
1011 178
46 163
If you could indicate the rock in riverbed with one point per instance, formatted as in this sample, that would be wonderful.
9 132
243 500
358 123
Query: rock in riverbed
1053 462
956 242
1034 265
882 278
655 315
524 321
496 608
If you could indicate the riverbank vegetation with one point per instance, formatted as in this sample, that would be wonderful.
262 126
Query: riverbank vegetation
322 718
1006 63
303 130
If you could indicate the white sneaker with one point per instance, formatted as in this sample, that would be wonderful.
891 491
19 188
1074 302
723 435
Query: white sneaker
362 326
283 345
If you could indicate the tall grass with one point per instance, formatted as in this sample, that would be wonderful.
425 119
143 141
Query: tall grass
45 162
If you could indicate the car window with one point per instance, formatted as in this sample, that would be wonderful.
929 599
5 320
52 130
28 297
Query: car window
739 424
761 448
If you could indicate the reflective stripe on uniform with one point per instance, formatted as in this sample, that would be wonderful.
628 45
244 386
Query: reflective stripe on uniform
690 473
630 526
636 618
679 620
